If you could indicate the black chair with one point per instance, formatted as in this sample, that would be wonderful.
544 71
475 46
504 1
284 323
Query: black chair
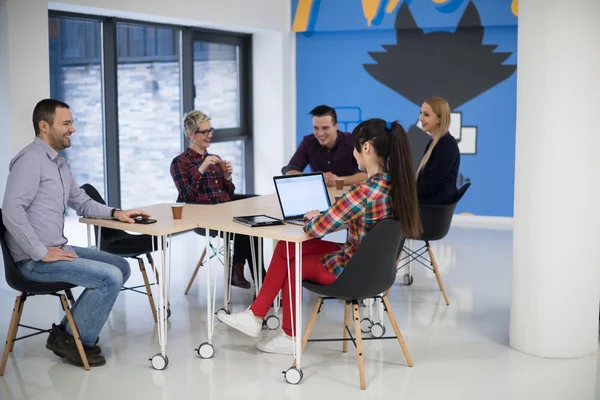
124 244
370 272
436 221
29 289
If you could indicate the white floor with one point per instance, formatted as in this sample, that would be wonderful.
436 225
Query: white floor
460 351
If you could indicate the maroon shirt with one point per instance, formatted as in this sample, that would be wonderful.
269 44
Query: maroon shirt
338 160
193 187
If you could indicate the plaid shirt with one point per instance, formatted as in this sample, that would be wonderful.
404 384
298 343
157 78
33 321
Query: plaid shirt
363 205
193 187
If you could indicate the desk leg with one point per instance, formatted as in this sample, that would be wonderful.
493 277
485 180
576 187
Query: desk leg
260 263
160 361
206 349
294 374
408 278
254 265
227 269
89 235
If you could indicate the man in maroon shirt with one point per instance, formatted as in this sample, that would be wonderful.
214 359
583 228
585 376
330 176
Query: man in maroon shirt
327 150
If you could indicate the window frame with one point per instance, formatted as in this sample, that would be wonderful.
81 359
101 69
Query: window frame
187 36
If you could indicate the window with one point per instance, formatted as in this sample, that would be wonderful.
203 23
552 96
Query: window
219 90
76 79
216 82
128 84
149 104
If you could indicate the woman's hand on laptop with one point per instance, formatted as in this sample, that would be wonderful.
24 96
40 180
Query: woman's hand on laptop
311 214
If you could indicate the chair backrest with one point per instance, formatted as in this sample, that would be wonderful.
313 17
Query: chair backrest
14 278
107 233
10 269
436 219
372 268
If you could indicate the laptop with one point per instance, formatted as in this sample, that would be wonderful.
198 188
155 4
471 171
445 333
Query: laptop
299 194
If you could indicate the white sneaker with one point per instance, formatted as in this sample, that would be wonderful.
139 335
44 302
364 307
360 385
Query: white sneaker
244 322
280 344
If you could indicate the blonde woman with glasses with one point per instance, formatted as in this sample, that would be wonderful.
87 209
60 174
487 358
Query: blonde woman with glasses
437 172
202 177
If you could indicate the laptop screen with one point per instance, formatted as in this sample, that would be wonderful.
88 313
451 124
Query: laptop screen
299 194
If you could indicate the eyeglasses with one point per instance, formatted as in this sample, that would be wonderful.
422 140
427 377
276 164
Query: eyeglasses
205 132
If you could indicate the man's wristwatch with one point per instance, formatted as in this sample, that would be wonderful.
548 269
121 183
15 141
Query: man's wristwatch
112 212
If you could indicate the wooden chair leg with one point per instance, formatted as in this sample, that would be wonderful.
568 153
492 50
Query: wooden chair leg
346 323
11 345
148 289
187 289
70 297
311 323
65 305
359 348
12 331
388 309
438 276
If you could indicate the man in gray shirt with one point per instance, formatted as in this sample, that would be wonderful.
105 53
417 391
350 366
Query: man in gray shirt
38 191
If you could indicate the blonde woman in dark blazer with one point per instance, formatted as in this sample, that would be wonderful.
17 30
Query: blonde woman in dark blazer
438 170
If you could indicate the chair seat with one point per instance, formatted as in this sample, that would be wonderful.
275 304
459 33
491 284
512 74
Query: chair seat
40 288
130 245
341 291
202 232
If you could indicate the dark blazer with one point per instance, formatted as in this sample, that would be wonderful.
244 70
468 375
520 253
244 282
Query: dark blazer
436 183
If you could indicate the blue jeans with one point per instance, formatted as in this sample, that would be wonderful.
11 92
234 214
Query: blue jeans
101 274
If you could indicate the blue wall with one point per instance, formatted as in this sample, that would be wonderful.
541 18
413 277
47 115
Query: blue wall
334 49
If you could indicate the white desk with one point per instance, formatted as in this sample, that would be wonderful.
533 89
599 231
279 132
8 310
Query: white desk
217 217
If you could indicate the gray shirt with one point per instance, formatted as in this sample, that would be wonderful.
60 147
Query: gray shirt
38 190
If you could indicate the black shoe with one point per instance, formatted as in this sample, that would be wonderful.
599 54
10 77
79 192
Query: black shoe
237 277
65 347
60 330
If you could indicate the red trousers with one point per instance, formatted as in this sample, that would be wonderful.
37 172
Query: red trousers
277 277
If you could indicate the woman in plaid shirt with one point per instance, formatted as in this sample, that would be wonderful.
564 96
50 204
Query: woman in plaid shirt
383 151
201 177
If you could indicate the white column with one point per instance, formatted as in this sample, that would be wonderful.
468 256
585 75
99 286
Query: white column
556 279
24 74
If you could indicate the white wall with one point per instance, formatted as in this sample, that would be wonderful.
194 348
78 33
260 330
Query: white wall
24 65
24 73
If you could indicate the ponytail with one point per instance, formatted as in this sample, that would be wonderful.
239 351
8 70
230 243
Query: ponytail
404 188
393 149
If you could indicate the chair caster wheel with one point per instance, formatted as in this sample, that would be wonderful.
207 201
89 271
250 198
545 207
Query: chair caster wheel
159 362
272 322
408 279
226 311
368 302
206 350
365 325
293 375
377 330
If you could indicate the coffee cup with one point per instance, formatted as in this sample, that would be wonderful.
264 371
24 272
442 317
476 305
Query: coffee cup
339 183
177 210
223 166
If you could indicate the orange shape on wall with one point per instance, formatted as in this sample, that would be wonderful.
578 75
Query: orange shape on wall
302 14
370 8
